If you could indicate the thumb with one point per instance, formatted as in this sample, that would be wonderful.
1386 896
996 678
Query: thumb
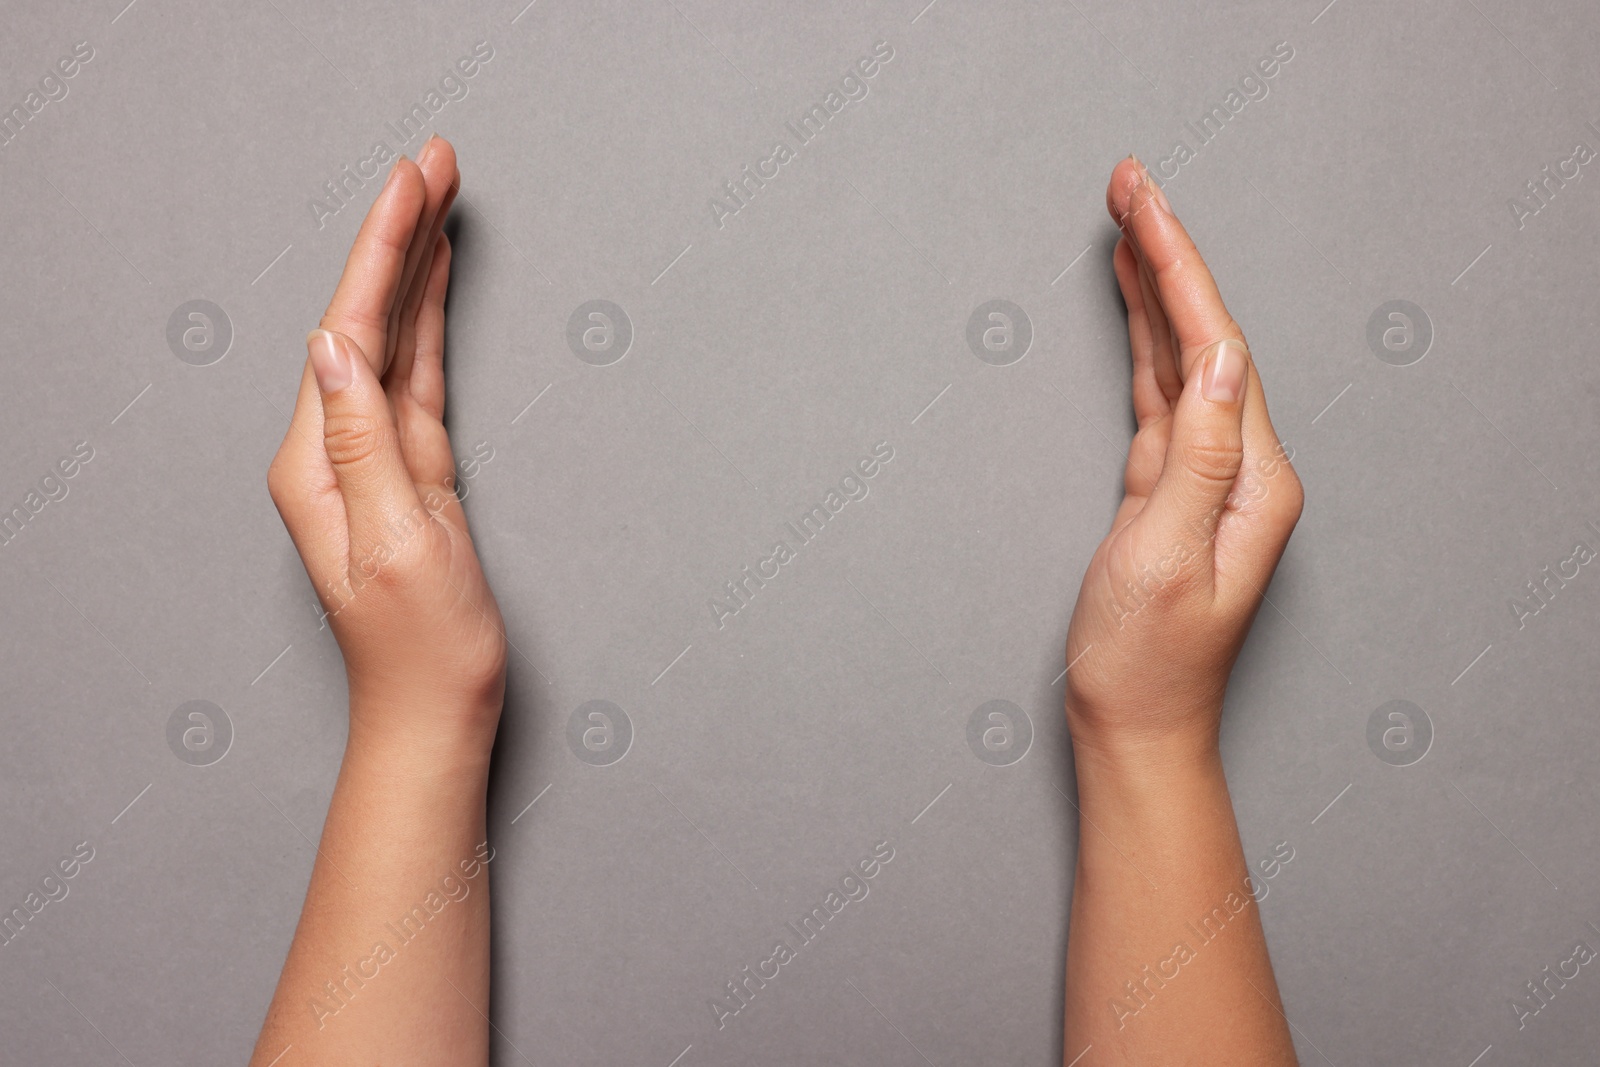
363 445
1206 449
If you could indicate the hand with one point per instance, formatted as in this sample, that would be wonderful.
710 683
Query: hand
1210 501
365 478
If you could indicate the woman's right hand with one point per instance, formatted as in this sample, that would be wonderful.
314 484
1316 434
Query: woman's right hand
365 482
1210 501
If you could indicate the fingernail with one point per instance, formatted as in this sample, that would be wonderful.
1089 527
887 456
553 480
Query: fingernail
329 362
427 146
394 172
1224 378
1155 190
1127 211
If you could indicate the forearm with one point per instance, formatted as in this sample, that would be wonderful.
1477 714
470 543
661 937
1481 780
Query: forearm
1166 962
390 962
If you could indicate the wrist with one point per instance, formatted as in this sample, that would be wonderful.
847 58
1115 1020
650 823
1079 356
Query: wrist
1143 757
1159 796
418 735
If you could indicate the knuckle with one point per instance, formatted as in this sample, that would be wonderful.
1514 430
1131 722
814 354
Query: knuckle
1292 497
280 483
352 439
402 557
1145 455
380 569
275 487
350 317
412 557
1149 435
1159 573
1213 455
1195 344
1169 586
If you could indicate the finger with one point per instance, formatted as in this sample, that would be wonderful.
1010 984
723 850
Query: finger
1206 449
1142 474
427 371
1266 502
1187 292
1149 402
1164 345
1127 511
1262 445
437 161
1125 175
1147 455
423 439
306 492
364 302
1268 483
403 366
362 444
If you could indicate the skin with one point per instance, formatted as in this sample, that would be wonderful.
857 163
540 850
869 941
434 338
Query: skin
1164 608
364 482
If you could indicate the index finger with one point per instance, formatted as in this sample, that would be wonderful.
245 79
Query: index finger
364 301
1188 292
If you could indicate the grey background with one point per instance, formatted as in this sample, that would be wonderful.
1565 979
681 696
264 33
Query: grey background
767 357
